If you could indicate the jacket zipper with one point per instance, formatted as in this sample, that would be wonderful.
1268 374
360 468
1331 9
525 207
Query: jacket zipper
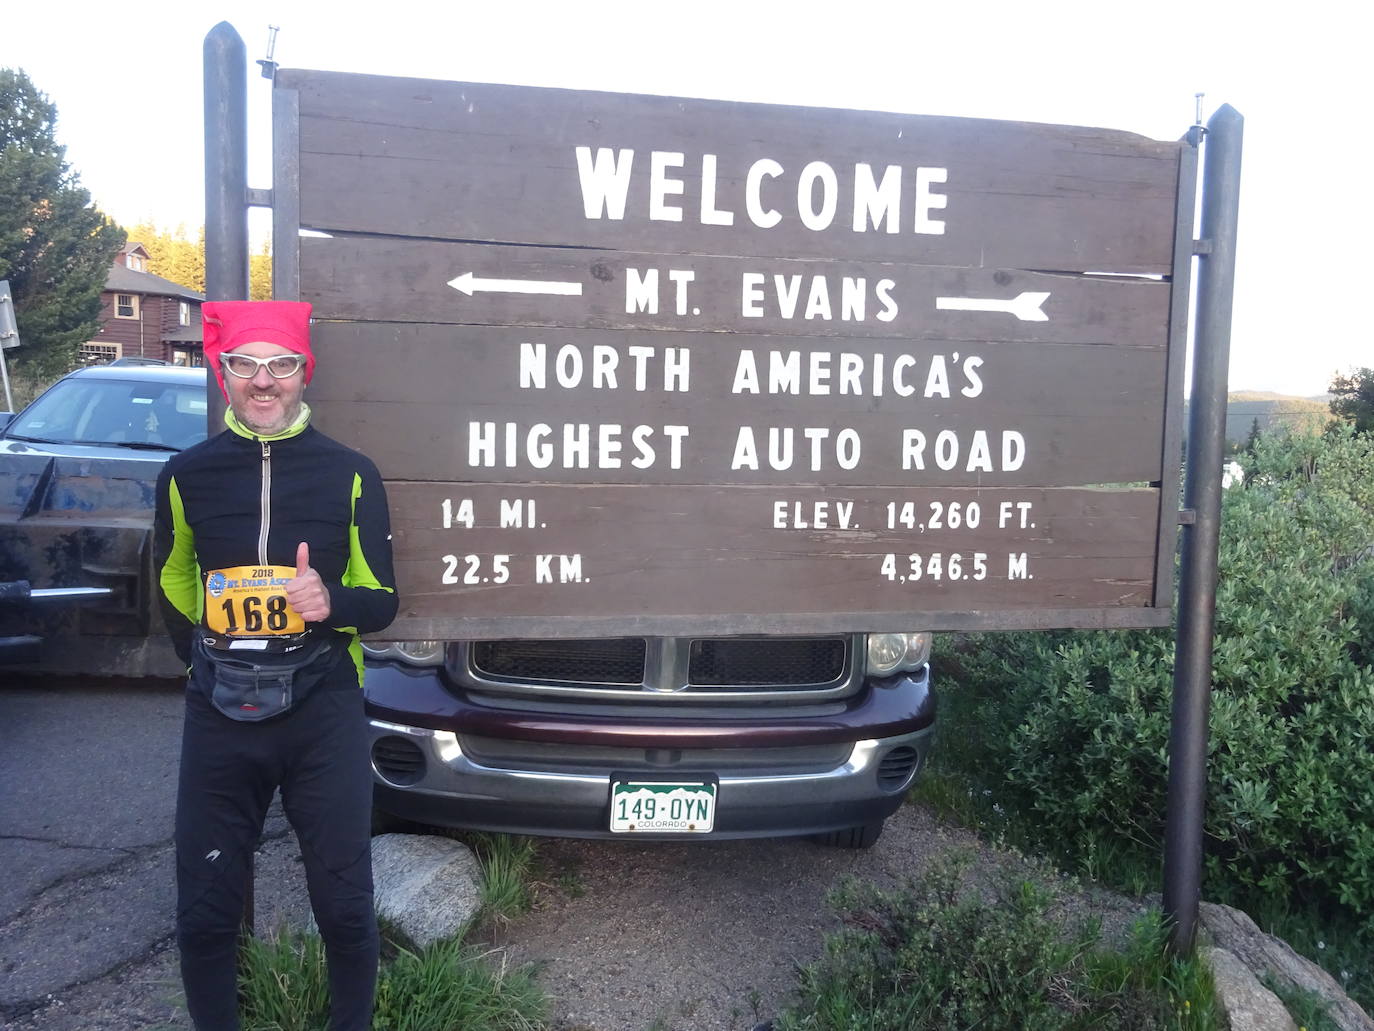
266 502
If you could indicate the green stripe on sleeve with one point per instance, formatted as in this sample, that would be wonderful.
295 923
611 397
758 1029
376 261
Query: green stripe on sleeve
179 576
358 573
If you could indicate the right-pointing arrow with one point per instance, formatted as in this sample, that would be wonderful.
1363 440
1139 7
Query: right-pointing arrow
1025 305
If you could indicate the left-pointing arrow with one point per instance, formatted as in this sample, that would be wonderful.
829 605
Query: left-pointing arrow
469 284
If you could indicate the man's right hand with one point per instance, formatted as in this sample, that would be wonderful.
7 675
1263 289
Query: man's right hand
306 592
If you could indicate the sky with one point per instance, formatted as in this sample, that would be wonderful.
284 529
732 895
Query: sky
126 80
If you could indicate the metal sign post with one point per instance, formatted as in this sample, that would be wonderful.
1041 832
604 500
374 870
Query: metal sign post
1202 498
226 180
226 214
9 337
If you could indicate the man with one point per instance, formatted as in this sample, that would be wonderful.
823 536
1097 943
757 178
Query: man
273 550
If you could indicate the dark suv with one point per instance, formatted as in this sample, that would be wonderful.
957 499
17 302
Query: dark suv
77 473
658 738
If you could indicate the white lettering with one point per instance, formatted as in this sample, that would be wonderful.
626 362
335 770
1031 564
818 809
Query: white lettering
877 203
710 214
746 451
604 362
788 289
979 455
818 304
926 201
764 218
481 444
853 299
751 295
784 372
946 449
605 181
577 445
820 373
780 447
812 218
641 355
746 374
949 447
937 381
676 368
568 366
1013 450
847 449
538 450
532 359
641 291
884 291
608 446
681 277
975 382
661 187
851 369
899 367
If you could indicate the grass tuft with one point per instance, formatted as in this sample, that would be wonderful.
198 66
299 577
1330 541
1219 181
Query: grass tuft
283 986
506 861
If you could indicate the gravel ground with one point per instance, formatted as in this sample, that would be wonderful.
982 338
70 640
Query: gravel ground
708 936
627 937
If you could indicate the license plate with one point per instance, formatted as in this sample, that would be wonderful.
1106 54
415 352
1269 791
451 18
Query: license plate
662 807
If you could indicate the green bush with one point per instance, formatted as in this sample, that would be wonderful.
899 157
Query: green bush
938 954
1073 726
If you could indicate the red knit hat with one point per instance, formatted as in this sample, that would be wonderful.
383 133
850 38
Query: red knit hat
231 323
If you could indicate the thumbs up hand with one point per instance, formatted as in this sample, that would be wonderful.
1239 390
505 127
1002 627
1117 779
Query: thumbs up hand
306 592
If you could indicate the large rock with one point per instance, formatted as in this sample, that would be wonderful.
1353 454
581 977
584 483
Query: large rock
1266 955
428 887
1248 1004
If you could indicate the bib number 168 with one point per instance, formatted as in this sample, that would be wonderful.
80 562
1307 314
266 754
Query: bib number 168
250 614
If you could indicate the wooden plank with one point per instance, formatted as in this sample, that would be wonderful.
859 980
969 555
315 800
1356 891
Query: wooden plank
451 403
481 162
389 279
725 624
616 553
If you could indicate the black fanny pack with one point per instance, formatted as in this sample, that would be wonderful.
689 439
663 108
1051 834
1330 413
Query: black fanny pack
251 686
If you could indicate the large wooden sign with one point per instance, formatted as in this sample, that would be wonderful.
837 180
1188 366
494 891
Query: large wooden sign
639 364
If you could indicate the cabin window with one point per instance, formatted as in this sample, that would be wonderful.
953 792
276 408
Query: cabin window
126 306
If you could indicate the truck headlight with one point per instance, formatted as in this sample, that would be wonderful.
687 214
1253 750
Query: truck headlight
417 653
892 653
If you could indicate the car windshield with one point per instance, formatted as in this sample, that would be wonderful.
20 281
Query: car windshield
135 413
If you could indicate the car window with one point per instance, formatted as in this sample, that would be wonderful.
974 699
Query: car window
105 411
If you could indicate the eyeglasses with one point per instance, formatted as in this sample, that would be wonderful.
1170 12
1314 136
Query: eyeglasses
245 366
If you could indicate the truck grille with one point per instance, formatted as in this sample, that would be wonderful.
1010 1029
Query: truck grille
705 666
721 662
606 661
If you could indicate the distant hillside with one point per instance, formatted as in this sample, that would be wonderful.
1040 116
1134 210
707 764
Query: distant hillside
1299 414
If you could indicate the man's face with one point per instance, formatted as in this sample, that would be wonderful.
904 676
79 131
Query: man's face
263 404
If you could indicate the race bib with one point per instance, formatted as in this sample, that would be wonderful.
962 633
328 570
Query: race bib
250 601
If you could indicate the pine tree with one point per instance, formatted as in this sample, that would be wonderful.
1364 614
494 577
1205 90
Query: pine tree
171 254
1352 399
55 247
